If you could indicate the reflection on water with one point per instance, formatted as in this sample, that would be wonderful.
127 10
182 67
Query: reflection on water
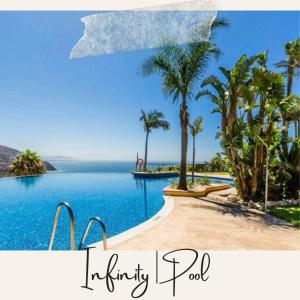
27 181
142 184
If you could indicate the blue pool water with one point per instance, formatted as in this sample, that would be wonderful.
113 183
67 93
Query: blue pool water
27 205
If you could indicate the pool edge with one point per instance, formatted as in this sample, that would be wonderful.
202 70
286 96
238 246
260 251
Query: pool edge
133 232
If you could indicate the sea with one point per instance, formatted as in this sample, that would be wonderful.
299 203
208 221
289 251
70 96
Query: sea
76 166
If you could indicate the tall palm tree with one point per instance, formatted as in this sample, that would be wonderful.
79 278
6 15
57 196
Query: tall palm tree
291 68
27 163
181 67
195 128
291 65
152 120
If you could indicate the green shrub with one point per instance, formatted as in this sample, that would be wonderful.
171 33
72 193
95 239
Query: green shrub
289 213
173 184
189 168
189 183
203 181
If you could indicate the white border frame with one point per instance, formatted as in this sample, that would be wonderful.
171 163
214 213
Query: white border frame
83 5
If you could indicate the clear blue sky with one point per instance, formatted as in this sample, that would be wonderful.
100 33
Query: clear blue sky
89 108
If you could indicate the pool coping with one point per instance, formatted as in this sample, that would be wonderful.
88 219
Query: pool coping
28 176
145 175
166 209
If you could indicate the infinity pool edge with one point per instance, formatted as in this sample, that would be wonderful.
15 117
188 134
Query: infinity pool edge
134 231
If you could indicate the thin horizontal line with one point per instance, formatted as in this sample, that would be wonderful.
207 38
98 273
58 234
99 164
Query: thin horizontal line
76 5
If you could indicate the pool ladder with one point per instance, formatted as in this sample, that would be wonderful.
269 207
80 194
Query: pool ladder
72 228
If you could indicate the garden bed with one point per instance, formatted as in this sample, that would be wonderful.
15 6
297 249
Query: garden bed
195 191
290 214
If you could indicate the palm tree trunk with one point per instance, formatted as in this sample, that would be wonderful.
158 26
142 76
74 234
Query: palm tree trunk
290 72
193 167
290 75
146 152
296 126
184 143
285 123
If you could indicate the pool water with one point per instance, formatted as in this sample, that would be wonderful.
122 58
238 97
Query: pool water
27 206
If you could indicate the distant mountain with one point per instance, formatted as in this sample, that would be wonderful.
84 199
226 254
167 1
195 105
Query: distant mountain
7 154
48 166
57 158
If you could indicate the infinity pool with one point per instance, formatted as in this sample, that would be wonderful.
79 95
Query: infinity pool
27 206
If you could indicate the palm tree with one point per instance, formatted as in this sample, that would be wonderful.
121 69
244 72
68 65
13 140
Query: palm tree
291 68
291 64
195 128
152 120
27 163
181 67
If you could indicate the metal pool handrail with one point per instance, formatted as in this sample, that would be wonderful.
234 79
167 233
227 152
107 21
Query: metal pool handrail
72 226
91 220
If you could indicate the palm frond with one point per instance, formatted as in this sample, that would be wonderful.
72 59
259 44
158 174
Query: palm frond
196 126
219 23
153 119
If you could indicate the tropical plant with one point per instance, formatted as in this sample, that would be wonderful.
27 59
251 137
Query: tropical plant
291 69
173 184
152 120
27 163
289 150
203 181
181 67
249 101
195 128
174 168
190 184
218 163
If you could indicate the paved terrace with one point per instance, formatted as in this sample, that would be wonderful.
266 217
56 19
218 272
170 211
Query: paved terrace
205 224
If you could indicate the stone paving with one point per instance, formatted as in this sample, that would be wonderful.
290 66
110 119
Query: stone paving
203 224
